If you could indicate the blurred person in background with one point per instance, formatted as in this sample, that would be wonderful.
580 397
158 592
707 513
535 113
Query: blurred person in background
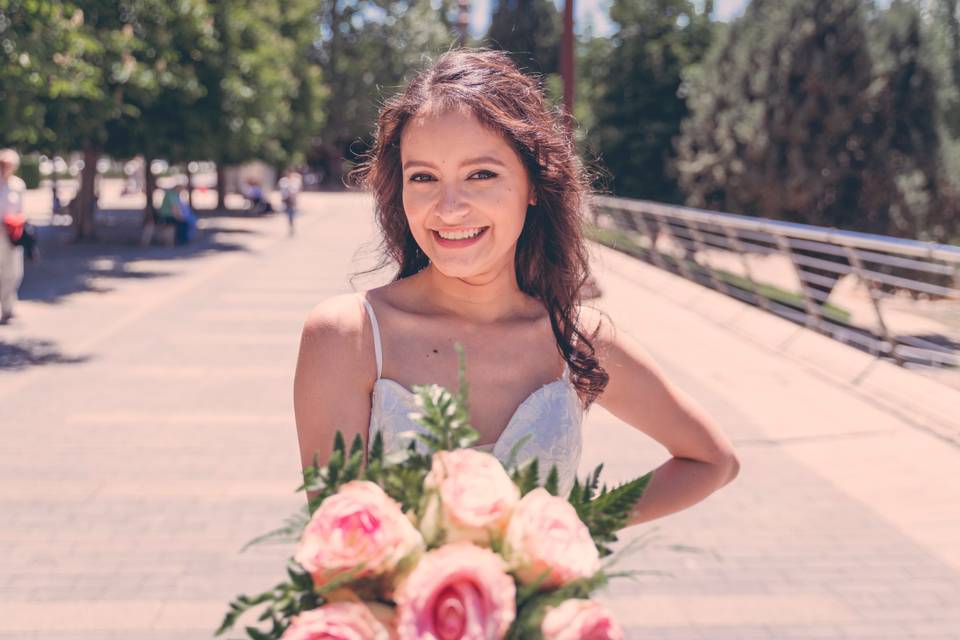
258 200
290 185
186 223
12 190
175 210
132 172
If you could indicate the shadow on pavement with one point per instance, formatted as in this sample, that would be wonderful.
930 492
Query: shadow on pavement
66 267
232 213
28 353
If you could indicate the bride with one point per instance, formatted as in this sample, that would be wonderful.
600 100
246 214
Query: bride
478 194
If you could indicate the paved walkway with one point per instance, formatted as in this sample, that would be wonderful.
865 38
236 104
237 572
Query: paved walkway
147 433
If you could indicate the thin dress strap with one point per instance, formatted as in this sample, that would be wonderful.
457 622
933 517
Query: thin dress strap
376 334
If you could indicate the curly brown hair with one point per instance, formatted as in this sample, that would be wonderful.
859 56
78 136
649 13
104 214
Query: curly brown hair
551 259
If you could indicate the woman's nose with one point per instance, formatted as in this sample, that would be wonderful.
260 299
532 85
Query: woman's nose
452 204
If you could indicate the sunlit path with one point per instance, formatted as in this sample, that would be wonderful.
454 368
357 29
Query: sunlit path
136 462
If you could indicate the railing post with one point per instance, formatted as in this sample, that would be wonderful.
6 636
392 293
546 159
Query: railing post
861 272
741 251
681 262
651 229
814 321
718 284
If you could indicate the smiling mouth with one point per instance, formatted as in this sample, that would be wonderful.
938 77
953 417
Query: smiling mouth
458 237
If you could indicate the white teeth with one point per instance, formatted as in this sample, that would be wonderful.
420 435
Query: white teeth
460 235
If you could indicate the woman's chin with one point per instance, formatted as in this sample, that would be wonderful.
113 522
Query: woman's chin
476 269
465 270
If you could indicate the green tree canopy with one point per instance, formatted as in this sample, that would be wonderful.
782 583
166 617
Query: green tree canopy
530 31
640 107
794 118
45 54
368 49
193 79
131 69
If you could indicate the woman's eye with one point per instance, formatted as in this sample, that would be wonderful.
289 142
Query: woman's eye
421 177
484 174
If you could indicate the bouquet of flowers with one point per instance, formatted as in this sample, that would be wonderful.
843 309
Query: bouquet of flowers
442 542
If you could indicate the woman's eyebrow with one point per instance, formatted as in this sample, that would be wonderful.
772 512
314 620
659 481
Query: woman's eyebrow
469 161
482 160
417 163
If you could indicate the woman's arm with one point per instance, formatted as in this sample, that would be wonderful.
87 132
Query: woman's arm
639 394
335 372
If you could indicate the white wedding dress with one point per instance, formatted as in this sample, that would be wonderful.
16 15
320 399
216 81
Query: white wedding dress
547 425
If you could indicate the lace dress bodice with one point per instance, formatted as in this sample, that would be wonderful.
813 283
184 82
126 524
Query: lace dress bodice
546 425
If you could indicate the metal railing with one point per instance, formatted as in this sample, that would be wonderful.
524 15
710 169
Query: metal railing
897 299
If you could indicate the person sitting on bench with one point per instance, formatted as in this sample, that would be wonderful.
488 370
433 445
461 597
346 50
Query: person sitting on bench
168 218
259 204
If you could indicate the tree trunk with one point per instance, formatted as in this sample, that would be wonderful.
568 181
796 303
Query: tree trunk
335 164
221 188
54 186
85 204
149 186
186 168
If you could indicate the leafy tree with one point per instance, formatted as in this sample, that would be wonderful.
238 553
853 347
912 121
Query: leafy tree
159 119
947 18
796 117
530 31
369 48
195 79
145 53
127 68
592 55
41 59
309 98
640 109
249 85
942 31
908 173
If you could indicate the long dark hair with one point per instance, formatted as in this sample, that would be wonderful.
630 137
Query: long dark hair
551 259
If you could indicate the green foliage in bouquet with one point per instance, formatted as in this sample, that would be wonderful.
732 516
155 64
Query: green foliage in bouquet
445 418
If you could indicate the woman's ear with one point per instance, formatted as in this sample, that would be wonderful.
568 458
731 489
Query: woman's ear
533 198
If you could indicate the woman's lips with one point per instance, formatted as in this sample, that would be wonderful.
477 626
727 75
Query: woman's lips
458 244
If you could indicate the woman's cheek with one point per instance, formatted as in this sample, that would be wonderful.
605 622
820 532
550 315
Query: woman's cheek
415 206
414 201
506 210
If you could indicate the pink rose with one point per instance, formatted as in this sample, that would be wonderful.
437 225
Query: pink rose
385 614
545 534
457 592
472 497
337 621
358 525
580 620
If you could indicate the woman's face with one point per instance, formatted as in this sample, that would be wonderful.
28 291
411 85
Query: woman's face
465 193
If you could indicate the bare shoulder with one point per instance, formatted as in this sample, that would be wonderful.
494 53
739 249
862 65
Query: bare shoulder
339 330
338 314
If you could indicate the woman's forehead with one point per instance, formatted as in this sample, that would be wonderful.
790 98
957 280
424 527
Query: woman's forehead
452 133
431 120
